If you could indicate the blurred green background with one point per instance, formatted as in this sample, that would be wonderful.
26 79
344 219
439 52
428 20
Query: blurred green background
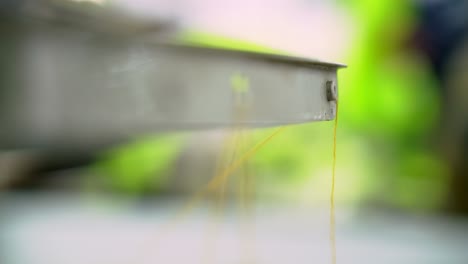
394 138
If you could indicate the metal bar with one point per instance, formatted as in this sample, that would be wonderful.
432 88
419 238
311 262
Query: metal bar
69 84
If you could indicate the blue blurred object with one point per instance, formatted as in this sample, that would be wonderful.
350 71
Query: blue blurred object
443 26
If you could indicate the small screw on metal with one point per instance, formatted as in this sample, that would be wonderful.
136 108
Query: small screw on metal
332 94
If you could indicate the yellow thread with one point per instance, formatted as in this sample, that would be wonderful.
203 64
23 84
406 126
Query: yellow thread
246 193
227 155
216 181
332 195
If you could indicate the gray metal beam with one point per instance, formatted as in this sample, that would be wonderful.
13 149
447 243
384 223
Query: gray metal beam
66 84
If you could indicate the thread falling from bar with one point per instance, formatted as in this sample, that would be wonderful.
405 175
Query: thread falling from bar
332 195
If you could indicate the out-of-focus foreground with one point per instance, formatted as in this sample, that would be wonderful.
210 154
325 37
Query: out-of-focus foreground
402 161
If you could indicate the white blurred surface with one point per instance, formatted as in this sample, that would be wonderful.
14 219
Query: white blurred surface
67 230
317 29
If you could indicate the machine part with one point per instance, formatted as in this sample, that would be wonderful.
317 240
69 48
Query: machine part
69 84
332 93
